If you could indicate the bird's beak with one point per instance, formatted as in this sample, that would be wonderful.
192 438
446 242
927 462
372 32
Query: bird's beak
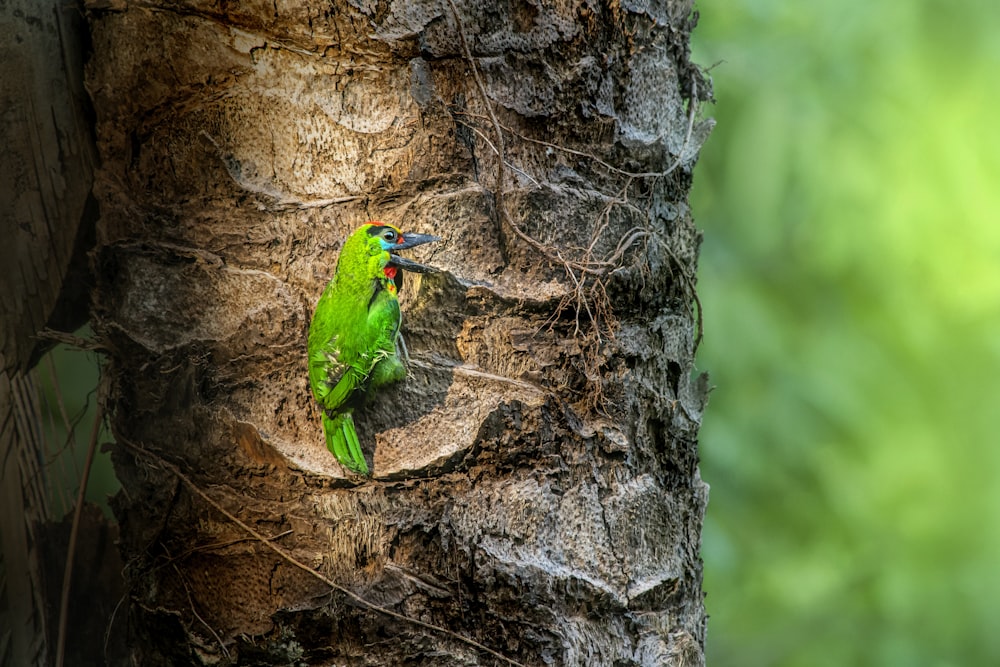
409 265
410 240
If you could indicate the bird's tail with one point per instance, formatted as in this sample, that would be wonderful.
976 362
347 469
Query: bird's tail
342 441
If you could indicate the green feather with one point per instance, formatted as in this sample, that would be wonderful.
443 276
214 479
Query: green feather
342 441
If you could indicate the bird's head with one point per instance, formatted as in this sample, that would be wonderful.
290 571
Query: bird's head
381 238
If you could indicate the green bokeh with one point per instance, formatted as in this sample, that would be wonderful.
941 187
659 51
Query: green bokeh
850 197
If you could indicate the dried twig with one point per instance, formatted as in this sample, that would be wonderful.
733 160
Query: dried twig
222 545
689 281
486 99
479 133
284 555
74 531
187 590
586 272
70 340
692 111
499 148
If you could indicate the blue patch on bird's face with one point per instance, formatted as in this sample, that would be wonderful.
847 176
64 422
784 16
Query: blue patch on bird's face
386 235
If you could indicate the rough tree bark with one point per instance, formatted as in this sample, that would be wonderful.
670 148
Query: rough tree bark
536 487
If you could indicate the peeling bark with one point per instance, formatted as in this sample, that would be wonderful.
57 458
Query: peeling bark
535 483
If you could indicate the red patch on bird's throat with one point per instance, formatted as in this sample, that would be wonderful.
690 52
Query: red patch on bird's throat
390 272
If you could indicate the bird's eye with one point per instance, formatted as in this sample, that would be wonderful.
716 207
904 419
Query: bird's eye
389 235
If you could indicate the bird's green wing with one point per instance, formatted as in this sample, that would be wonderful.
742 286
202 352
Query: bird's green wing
332 380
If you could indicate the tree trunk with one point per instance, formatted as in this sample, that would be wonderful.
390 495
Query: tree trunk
535 493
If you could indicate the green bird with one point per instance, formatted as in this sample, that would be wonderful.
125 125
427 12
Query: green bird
354 332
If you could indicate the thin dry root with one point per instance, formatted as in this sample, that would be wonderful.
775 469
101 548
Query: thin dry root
587 272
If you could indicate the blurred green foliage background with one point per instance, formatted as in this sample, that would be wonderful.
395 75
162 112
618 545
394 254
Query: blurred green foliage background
66 403
850 198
